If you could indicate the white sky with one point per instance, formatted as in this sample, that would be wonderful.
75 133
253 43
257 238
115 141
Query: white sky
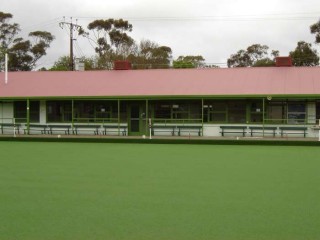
214 29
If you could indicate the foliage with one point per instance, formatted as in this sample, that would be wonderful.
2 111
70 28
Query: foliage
63 63
23 54
111 42
315 29
255 55
304 55
182 64
265 62
109 37
189 62
149 55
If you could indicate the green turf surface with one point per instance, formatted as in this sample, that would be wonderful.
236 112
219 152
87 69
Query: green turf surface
139 191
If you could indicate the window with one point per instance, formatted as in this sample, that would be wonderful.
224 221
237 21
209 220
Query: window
215 111
59 111
256 112
178 110
296 112
96 111
276 112
162 110
20 111
318 111
237 112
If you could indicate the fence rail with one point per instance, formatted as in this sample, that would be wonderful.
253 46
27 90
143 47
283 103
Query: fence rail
95 120
181 121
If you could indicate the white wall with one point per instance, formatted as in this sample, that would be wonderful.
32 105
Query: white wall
211 130
42 110
6 112
311 111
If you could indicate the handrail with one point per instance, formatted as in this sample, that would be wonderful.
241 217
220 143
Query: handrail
96 120
287 121
183 121
13 120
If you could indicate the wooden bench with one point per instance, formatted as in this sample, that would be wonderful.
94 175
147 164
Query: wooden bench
189 129
36 128
115 128
77 128
163 128
263 130
14 127
59 128
233 129
293 130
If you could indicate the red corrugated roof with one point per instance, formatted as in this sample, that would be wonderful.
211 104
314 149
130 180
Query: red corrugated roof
170 82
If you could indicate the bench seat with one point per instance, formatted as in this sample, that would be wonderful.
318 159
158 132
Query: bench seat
189 129
11 126
41 128
263 130
293 130
94 128
233 129
163 128
59 128
115 128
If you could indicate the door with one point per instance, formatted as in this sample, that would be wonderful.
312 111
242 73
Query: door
136 119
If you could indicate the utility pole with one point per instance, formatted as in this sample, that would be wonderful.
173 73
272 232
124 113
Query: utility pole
72 26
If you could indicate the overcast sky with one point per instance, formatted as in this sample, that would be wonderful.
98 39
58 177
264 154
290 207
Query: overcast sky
214 29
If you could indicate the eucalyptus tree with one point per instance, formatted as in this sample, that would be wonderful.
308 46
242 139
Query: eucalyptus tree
189 61
256 55
23 53
304 55
315 29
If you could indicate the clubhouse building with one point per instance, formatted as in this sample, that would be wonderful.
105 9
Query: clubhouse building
252 102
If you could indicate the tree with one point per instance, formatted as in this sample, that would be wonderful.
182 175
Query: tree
189 62
23 54
315 29
150 55
110 40
256 55
63 64
304 55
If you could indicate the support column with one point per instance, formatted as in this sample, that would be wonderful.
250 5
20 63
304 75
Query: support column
72 113
43 112
118 117
28 116
202 116
263 114
147 117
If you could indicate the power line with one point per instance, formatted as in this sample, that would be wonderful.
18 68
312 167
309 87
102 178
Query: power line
42 24
251 17
72 26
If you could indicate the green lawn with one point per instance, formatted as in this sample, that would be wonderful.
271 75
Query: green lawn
141 191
